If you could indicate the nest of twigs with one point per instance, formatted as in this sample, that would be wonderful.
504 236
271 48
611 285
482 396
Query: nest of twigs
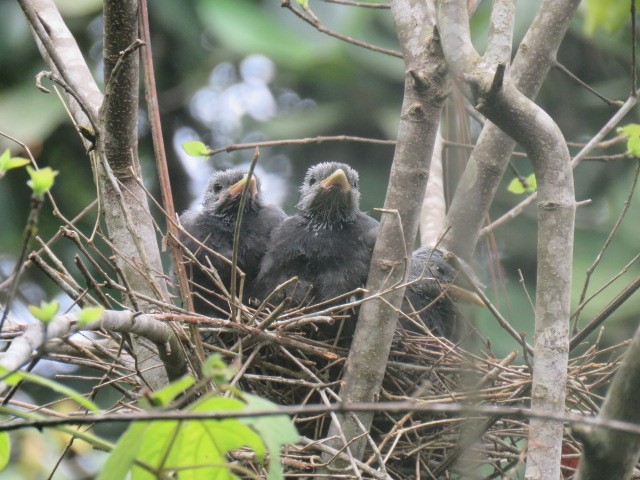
281 356
291 368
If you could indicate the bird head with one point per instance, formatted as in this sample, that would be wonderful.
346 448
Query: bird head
329 195
224 192
434 276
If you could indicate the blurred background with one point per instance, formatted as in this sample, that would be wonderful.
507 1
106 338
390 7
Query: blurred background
236 71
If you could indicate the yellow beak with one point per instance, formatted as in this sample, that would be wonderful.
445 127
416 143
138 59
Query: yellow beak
236 188
464 295
337 178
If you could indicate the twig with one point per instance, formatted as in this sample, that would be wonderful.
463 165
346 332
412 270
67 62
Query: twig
236 233
577 81
315 23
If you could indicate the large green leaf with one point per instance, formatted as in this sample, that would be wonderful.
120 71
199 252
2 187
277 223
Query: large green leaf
275 431
194 448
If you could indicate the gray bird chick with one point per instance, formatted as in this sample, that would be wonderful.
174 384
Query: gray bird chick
214 225
327 245
435 287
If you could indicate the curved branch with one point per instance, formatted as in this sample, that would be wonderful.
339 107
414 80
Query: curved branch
490 157
35 336
500 101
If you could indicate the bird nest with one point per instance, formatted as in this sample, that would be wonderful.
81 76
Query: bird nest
287 366
281 355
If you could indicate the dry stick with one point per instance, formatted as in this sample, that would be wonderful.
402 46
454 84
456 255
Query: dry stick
29 232
605 313
453 259
315 23
299 141
236 234
634 73
359 4
151 97
604 248
568 73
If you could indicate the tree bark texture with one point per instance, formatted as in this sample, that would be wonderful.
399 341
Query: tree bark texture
424 95
123 199
490 157
490 85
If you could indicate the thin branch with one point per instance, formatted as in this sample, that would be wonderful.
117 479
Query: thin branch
299 141
153 109
577 81
315 23
454 409
613 122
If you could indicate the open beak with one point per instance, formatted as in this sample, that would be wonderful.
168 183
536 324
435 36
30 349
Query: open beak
236 188
464 295
338 178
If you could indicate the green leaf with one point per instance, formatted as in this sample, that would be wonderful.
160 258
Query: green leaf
303 3
125 452
195 448
5 450
46 312
632 133
275 431
517 187
215 369
196 149
89 315
164 396
7 162
41 180
20 375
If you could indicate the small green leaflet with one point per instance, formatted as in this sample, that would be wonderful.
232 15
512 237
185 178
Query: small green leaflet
5 450
165 396
196 149
46 312
7 162
517 187
303 3
89 315
41 180
13 378
632 132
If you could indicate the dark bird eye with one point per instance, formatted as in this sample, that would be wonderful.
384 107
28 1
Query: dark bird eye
312 181
440 270
217 188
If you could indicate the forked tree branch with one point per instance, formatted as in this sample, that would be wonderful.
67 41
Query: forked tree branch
496 96
490 157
